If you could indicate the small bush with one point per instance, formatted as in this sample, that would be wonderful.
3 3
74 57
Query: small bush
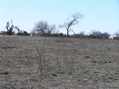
99 35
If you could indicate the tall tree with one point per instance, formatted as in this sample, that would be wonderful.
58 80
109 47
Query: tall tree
73 20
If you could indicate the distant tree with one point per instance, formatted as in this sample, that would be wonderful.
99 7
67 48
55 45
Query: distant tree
99 35
95 34
42 28
18 29
9 28
105 35
73 20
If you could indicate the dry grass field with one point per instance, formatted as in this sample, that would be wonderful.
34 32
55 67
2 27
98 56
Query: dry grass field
58 63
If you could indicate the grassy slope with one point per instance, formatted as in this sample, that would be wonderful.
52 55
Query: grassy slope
67 63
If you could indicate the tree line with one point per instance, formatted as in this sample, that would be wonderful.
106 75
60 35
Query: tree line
42 28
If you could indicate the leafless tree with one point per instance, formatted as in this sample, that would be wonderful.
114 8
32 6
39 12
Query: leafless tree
99 35
9 28
73 20
43 28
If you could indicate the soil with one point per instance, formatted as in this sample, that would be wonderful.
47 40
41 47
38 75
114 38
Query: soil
58 63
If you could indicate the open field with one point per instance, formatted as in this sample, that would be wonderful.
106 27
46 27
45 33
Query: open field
58 63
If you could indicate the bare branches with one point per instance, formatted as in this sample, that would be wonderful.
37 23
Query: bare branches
9 28
44 29
41 53
73 20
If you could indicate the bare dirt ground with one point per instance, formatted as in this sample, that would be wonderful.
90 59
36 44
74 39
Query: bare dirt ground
58 63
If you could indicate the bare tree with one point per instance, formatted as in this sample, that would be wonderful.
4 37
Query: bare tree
73 20
18 29
99 35
43 28
9 28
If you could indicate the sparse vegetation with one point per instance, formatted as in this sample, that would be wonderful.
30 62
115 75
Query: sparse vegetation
63 62
41 56
58 63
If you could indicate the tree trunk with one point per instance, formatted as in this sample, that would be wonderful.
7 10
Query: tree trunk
67 32
10 31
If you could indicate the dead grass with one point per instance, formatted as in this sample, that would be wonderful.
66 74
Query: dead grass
68 63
